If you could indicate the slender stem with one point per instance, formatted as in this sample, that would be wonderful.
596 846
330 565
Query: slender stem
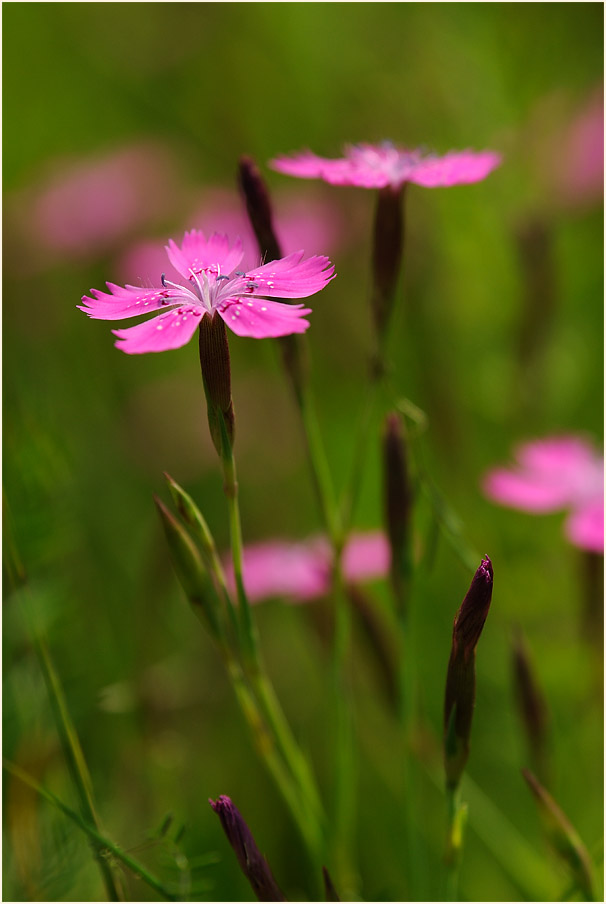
101 843
351 492
456 816
296 780
345 762
318 463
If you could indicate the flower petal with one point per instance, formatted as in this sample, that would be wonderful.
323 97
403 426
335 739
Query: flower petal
127 301
343 171
166 331
263 319
525 491
292 277
585 527
455 168
366 556
197 253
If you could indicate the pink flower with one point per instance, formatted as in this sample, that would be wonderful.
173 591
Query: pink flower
300 223
382 166
87 204
579 162
212 286
556 473
302 570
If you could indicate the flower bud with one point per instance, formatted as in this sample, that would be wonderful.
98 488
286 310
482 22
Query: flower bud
252 863
397 505
192 516
258 206
563 837
388 239
216 376
461 677
192 574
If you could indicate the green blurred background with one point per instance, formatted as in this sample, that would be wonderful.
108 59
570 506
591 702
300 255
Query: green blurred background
489 359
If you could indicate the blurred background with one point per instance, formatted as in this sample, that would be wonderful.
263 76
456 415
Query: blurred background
123 127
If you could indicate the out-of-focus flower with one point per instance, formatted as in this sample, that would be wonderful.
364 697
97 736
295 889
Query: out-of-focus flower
302 571
308 223
561 472
578 167
87 205
213 286
383 166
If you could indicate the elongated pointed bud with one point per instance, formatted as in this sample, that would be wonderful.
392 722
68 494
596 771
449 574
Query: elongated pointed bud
461 675
192 516
563 836
388 238
192 574
252 863
531 705
259 209
397 506
216 377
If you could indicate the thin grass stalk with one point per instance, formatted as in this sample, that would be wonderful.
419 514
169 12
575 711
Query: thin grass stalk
99 841
68 736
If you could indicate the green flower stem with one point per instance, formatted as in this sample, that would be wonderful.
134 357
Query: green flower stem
266 747
70 742
99 841
296 781
457 817
350 494
318 464
345 763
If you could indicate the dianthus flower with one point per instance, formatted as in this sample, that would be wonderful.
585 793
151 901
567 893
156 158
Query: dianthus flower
302 571
385 166
555 473
212 286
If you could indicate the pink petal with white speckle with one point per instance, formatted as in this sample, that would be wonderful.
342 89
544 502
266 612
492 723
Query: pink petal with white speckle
198 253
166 331
260 318
292 277
126 301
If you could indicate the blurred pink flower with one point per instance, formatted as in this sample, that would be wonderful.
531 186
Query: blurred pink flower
88 204
213 286
382 166
551 474
579 163
302 571
300 223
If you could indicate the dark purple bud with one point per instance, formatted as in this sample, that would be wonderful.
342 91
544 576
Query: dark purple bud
397 505
461 675
563 837
258 206
388 238
252 863
216 377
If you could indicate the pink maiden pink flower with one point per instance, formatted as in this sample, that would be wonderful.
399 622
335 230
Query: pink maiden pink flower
300 223
213 286
556 473
383 166
302 571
